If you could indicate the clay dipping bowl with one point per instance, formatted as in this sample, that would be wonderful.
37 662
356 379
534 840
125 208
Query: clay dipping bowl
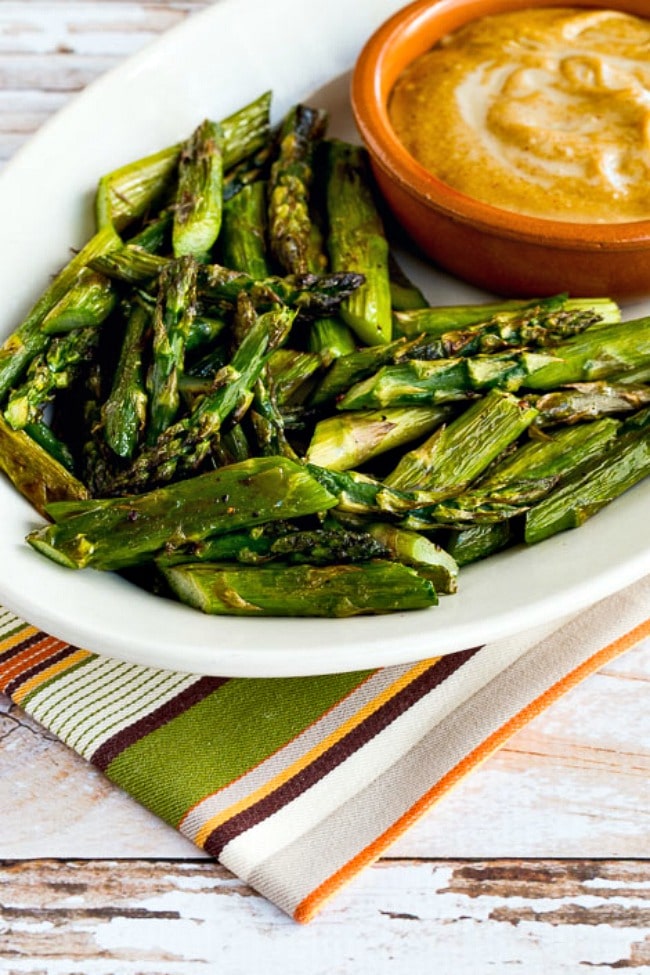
500 251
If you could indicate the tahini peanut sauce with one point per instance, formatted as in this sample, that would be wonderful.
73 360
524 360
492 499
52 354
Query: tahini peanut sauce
543 111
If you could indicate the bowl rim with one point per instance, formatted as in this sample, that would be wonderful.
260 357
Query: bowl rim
373 77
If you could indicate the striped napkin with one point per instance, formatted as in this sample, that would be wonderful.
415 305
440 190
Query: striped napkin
295 784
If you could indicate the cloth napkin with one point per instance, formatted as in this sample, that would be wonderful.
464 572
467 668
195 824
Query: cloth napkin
296 784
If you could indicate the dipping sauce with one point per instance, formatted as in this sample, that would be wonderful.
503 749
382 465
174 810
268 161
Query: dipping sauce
543 111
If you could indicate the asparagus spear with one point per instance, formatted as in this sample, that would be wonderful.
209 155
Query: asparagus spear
436 321
333 591
331 337
348 440
457 454
184 445
281 541
243 234
360 494
46 438
478 541
199 193
129 531
33 471
171 325
625 464
127 193
428 559
54 369
291 372
289 219
357 242
87 303
585 401
30 338
125 411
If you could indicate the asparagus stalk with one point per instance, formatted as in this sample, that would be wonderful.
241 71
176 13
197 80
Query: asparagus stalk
125 194
52 370
587 401
185 444
88 303
281 541
428 559
289 219
436 321
46 438
33 471
291 371
243 234
333 591
348 440
359 494
331 337
124 413
130 531
357 242
478 541
199 193
457 454
621 467
171 325
30 338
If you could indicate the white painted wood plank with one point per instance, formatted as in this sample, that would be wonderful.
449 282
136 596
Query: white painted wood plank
537 917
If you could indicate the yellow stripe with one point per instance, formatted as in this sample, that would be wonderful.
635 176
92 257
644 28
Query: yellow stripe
322 746
44 675
15 638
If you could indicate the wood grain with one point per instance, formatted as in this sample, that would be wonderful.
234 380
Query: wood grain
539 916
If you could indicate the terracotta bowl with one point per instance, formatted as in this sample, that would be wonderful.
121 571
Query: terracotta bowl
500 251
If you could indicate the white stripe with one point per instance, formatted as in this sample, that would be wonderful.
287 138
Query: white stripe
9 622
291 752
131 711
243 854
72 688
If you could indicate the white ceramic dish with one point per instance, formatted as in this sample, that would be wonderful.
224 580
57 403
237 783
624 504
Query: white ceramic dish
210 65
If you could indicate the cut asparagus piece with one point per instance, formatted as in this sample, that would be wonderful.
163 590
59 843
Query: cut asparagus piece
359 494
428 559
172 322
185 444
348 440
281 541
127 193
52 370
243 233
457 454
289 219
124 413
357 242
587 401
198 204
596 354
478 541
331 337
30 338
87 304
33 471
438 320
129 531
291 372
45 438
278 590
621 467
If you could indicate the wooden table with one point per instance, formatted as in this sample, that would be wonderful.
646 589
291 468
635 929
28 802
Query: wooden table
536 863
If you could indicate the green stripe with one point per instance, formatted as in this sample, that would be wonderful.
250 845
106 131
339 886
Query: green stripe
221 737
44 687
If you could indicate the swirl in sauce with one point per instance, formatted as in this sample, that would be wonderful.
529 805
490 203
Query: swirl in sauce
545 112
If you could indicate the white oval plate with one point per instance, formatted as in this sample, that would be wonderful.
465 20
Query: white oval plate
211 64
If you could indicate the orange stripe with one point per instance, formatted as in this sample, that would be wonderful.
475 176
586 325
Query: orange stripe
30 657
322 746
45 675
313 903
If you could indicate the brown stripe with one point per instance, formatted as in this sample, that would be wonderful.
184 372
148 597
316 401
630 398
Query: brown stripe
144 726
26 675
23 645
338 753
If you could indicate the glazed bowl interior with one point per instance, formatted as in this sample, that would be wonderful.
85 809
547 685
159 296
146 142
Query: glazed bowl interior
410 33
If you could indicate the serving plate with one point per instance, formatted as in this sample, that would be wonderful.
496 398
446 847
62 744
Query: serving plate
211 64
